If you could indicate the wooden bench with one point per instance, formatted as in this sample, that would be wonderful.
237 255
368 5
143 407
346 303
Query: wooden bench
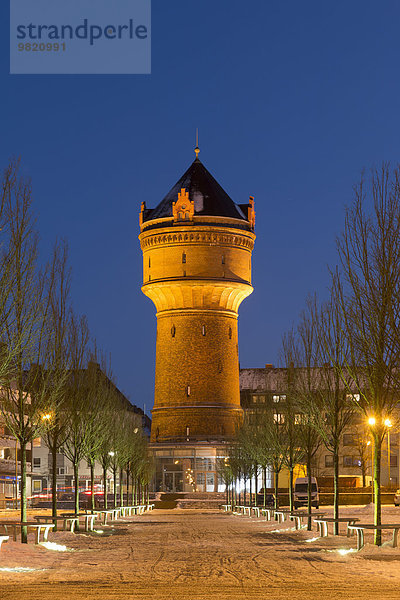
104 515
281 513
68 522
88 519
360 527
3 538
37 528
267 513
299 516
322 524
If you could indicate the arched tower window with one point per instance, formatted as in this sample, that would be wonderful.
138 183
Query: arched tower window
183 257
188 390
223 259
187 216
203 330
180 216
149 262
173 330
230 333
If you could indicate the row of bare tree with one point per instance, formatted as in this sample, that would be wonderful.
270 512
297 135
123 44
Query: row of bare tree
51 384
344 355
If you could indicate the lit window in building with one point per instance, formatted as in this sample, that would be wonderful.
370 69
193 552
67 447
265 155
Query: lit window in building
279 418
275 399
297 419
349 439
203 330
188 390
354 397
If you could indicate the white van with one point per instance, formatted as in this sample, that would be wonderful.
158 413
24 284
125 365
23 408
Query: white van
301 490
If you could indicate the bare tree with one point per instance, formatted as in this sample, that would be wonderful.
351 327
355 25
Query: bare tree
367 292
57 357
28 389
78 408
332 408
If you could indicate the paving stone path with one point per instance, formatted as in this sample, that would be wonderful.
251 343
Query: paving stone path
199 555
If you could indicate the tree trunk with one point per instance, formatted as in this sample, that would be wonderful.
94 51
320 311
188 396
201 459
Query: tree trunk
251 490
76 484
276 488
127 487
291 507
255 484
24 532
309 506
92 504
121 487
336 489
115 486
264 486
377 487
105 487
54 484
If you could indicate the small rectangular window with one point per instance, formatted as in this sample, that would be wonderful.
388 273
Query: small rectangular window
183 257
350 461
349 439
188 390
275 399
329 460
279 418
223 259
36 461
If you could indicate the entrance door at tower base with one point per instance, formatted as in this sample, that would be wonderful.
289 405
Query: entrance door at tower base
172 481
188 469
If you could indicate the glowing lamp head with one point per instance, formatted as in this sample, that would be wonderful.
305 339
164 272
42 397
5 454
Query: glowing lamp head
388 423
371 421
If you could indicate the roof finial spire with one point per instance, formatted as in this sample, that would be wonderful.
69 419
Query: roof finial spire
197 149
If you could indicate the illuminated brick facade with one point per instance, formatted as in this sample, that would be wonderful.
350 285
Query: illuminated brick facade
197 246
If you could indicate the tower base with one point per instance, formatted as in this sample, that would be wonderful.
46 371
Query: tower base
189 466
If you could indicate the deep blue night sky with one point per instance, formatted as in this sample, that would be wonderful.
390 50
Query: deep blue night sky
292 100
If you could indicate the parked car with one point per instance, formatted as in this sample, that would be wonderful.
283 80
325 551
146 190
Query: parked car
396 498
301 492
269 498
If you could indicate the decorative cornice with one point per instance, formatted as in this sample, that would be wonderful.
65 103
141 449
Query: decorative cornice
220 238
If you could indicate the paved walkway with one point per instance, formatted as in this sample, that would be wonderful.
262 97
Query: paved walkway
199 555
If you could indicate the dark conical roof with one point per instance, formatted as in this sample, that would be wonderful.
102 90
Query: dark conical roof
208 196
